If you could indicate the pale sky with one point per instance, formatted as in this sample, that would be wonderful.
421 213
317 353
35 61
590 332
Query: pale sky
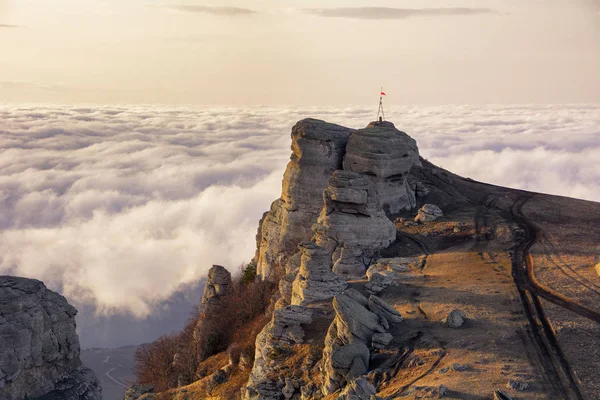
299 52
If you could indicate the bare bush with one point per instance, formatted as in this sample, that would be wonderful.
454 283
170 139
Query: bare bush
154 363
174 360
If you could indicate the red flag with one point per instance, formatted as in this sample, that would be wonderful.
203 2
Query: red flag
383 93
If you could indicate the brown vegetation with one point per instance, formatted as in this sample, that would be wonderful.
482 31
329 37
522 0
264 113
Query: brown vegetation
226 333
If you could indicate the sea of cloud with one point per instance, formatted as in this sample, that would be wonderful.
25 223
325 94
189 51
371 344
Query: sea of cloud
118 207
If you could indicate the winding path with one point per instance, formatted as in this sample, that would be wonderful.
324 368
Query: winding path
118 382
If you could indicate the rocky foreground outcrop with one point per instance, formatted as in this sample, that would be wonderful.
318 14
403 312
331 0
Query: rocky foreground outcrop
39 348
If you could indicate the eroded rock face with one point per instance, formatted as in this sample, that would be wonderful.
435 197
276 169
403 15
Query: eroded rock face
218 285
386 155
39 348
336 203
318 149
315 280
359 325
284 329
352 225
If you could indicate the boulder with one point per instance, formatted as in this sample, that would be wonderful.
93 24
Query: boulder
318 149
428 213
315 280
39 347
455 319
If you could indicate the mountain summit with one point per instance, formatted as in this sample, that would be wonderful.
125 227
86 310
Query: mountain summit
398 278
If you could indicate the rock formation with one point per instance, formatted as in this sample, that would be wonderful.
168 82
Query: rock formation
359 324
218 285
352 225
39 348
386 156
347 180
315 280
284 329
329 224
318 149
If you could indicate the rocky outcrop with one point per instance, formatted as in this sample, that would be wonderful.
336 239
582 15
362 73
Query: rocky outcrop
284 329
359 324
385 155
218 285
352 225
332 219
39 348
428 213
359 175
318 149
315 280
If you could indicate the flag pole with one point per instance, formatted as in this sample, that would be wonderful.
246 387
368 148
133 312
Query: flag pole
380 109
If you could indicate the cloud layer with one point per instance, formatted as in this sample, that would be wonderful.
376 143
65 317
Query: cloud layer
117 207
378 13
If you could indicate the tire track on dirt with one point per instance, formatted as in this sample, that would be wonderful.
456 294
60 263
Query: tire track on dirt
551 356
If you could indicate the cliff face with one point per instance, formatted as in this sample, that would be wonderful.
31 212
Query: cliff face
365 173
39 348
318 149
339 190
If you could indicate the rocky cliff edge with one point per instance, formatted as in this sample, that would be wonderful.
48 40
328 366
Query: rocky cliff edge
39 348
